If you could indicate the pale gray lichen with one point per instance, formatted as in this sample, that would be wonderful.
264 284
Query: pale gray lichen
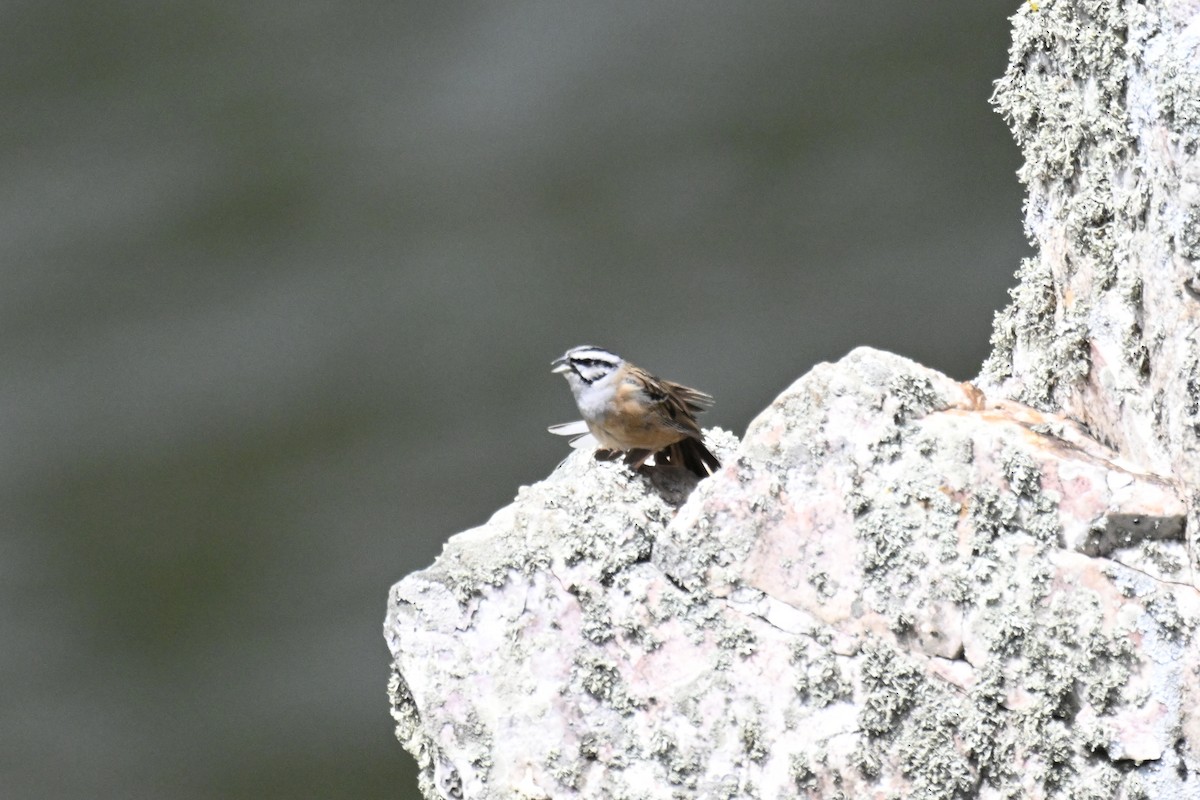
819 580
753 741
941 513
1168 558
1187 234
886 535
892 688
602 680
736 638
683 765
913 397
902 712
1176 93
1023 474
1063 96
992 515
565 770
819 679
1102 98
802 773
409 732
1005 711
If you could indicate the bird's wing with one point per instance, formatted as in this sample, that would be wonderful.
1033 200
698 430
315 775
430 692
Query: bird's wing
695 400
676 411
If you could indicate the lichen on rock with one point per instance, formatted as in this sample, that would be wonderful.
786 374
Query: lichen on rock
898 585
911 616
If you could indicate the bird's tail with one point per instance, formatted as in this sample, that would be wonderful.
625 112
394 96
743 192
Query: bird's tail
690 453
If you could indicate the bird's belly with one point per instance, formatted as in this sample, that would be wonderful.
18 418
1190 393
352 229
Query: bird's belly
622 432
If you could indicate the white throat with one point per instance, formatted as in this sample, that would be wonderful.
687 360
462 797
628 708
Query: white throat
594 398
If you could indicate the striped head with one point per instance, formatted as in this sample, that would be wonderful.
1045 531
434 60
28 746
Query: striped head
586 364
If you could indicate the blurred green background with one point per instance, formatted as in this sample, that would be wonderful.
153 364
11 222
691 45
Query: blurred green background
283 281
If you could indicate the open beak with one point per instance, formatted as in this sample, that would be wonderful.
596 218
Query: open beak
561 365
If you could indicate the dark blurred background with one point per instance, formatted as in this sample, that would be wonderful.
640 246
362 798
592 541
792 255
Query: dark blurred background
282 282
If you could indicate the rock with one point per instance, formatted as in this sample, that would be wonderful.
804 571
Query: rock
898 585
1104 100
881 592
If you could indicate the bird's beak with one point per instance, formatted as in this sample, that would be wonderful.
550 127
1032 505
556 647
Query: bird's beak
561 365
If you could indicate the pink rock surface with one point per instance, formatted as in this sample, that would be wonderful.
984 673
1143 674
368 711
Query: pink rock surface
879 594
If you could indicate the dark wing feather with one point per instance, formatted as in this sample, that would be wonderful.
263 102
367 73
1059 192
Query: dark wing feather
681 404
677 411
692 454
695 400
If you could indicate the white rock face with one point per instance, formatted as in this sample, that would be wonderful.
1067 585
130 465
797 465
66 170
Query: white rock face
893 586
1104 99
898 586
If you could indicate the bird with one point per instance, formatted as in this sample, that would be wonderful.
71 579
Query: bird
627 410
